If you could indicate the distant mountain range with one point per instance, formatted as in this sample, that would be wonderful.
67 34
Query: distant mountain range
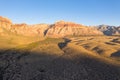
58 29
109 30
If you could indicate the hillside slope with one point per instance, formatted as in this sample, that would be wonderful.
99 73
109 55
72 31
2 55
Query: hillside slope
56 59
61 51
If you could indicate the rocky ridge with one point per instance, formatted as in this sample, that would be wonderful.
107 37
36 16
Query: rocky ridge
5 23
58 29
63 28
109 30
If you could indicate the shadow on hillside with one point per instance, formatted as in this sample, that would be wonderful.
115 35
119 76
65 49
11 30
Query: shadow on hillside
116 54
98 50
116 40
109 43
25 65
107 33
45 32
61 45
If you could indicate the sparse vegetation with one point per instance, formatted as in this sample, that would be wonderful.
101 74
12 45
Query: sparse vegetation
44 58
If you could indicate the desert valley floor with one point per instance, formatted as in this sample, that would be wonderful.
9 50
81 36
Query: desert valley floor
70 58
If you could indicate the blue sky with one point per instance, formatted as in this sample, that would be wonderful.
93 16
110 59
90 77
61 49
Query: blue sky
87 12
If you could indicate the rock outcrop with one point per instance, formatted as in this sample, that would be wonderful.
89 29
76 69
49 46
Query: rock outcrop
7 27
59 29
109 30
5 23
29 30
62 28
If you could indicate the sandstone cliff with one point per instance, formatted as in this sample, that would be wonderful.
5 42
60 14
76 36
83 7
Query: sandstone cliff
59 29
7 27
29 30
5 23
62 28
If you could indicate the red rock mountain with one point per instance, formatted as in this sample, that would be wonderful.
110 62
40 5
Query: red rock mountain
22 29
5 23
59 29
62 28
29 30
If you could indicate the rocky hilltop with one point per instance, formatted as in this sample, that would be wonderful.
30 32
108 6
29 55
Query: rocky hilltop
59 29
63 28
5 23
6 26
109 30
29 30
